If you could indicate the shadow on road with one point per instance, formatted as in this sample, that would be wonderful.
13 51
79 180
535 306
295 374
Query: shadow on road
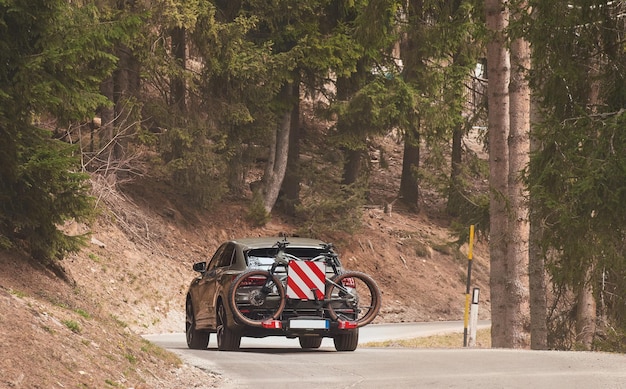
274 351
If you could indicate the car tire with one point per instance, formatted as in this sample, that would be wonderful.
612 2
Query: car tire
227 338
347 342
197 340
310 342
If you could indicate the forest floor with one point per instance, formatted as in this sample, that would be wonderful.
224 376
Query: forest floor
132 278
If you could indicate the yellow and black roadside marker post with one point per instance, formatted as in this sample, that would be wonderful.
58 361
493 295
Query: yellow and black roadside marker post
467 288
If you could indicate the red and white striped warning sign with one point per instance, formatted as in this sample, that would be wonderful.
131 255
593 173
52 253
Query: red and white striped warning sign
306 280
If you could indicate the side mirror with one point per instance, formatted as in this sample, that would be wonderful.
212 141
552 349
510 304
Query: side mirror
199 267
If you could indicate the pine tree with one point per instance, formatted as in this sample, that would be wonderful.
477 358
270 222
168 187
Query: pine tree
577 175
53 60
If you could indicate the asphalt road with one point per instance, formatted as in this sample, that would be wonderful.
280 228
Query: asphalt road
280 363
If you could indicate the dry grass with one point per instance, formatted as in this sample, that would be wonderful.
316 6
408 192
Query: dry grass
455 340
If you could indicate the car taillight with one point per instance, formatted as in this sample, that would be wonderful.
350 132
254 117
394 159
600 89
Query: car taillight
348 282
253 281
347 325
272 324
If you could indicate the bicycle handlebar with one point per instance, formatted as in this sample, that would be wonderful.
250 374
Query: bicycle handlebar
282 258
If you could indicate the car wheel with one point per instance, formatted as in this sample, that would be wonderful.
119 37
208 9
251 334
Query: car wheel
227 338
197 340
310 342
348 341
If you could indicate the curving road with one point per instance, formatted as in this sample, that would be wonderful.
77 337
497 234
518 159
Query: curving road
280 363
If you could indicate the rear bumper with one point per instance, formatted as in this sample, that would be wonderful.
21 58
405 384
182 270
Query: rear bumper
290 332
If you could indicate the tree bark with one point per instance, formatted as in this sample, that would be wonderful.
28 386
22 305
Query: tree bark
235 169
120 97
409 185
413 61
586 313
353 155
498 129
290 197
106 114
125 82
178 89
536 268
454 194
352 166
277 164
518 312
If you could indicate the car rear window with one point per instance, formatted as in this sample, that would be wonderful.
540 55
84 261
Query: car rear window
265 256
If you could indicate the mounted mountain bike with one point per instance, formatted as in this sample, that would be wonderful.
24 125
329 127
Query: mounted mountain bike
298 291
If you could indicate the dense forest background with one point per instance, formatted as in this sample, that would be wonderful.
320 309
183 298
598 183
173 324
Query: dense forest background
201 93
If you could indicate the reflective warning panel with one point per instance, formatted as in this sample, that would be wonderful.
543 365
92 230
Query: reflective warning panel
306 280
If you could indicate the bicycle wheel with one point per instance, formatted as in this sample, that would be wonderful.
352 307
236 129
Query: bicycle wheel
256 296
353 296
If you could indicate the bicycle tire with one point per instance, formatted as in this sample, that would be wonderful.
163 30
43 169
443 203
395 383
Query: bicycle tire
249 304
346 304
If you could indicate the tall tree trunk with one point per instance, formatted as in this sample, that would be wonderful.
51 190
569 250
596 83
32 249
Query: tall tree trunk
277 164
498 118
352 166
537 289
107 114
454 194
235 169
178 89
120 97
290 197
586 313
409 184
124 83
536 267
409 53
518 311
353 155
586 302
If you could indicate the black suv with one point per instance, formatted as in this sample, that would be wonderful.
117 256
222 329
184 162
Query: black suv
214 297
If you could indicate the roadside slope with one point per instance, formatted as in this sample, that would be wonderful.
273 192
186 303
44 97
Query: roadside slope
53 334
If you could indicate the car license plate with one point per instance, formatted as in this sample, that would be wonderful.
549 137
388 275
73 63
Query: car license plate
309 324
